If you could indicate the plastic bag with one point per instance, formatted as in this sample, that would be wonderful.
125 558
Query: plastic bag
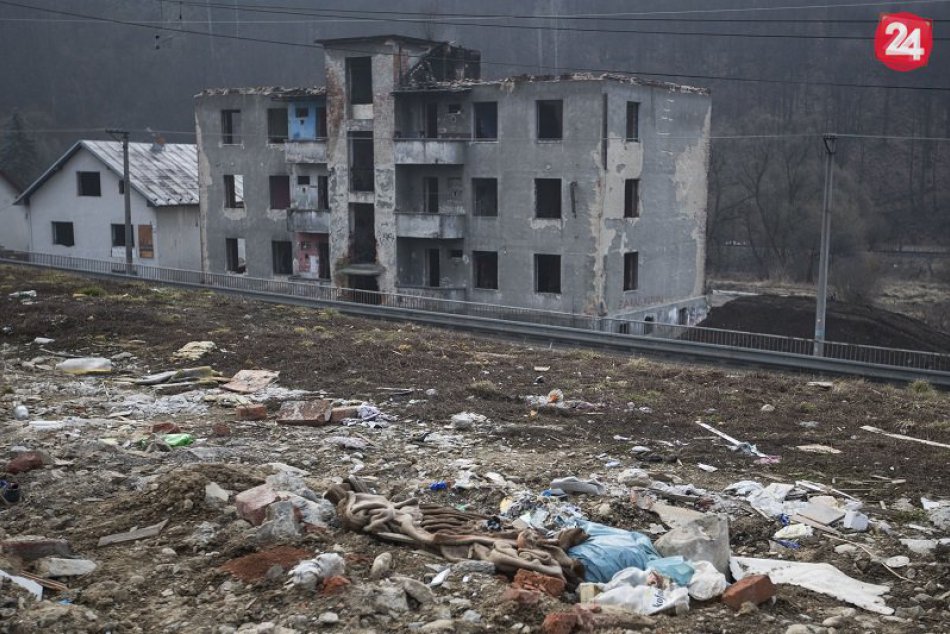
676 568
707 582
178 440
311 572
644 599
85 365
609 550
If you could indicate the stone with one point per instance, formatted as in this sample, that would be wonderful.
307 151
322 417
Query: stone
755 589
473 566
706 538
521 596
559 623
20 412
252 504
441 625
215 496
798 628
328 618
389 597
417 590
220 430
58 567
382 566
845 549
339 413
335 585
768 407
898 561
26 461
32 548
165 428
471 616
530 580
309 413
257 411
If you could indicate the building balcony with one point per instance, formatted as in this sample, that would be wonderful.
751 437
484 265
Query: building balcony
308 221
430 151
410 292
308 151
430 226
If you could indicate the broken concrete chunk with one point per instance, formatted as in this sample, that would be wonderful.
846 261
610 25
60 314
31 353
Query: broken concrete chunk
215 495
58 567
252 504
382 566
194 350
26 461
31 548
250 381
339 413
312 413
281 525
133 535
256 411
821 513
85 365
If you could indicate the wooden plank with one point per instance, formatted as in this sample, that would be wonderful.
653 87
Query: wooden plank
131 536
875 430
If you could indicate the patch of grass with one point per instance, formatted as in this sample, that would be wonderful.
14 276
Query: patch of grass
807 408
915 515
939 425
223 330
648 397
327 313
91 291
487 390
921 388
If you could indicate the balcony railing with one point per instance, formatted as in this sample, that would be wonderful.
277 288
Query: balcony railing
308 221
430 226
309 151
430 151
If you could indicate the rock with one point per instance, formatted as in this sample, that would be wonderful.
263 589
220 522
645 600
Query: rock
559 623
845 549
389 597
704 539
165 428
58 567
442 625
310 573
747 608
833 621
940 517
466 420
473 566
432 392
20 412
215 496
898 561
417 590
767 408
31 548
328 618
521 596
339 413
471 616
334 585
26 461
309 413
530 580
798 628
257 411
252 504
220 430
634 477
281 524
382 566
913 612
755 588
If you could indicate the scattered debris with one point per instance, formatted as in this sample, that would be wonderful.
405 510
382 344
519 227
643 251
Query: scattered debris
818 449
875 430
194 350
85 365
250 381
311 413
132 535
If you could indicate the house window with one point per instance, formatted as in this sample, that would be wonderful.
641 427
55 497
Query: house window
277 126
301 112
362 161
456 254
323 192
303 180
87 184
118 236
550 120
547 198
63 234
486 120
233 191
321 122
486 269
633 121
631 270
631 196
455 108
282 253
547 273
431 186
359 75
433 275
485 196
231 127
280 192
236 252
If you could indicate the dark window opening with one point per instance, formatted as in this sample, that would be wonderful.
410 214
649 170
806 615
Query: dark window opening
323 257
485 196
547 273
63 234
323 192
547 197
633 121
235 254
233 191
682 316
486 120
359 75
648 326
361 162
432 120
277 127
301 112
88 184
631 271
303 179
455 108
118 236
432 267
283 256
121 187
230 127
280 192
363 237
456 254
486 269
631 197
551 120
321 122
431 188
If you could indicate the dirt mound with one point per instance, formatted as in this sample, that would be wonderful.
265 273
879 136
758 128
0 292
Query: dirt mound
848 323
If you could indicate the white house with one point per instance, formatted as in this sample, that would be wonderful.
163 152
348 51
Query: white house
14 228
77 207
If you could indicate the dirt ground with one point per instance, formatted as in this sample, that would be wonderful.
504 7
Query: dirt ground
98 481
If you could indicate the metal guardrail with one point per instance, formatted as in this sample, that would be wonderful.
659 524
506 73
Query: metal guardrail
694 341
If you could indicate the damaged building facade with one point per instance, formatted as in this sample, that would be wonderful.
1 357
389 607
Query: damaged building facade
411 174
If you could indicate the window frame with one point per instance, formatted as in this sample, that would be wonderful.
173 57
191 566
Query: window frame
230 192
57 225
477 257
231 134
274 257
560 115
631 198
118 230
271 180
478 106
475 198
631 274
537 273
537 198
84 186
632 133
283 115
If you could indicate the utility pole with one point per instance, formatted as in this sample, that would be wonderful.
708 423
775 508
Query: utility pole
127 190
830 141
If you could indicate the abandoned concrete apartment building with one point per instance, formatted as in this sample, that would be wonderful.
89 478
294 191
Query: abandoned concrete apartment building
409 173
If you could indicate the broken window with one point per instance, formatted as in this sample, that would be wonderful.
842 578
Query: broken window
486 120
361 162
633 121
280 192
63 234
486 269
432 267
235 252
321 122
323 192
233 191
431 120
547 273
550 119
303 180
431 186
283 257
118 236
363 234
485 196
301 112
455 108
323 258
231 127
359 76
277 125
631 270
87 184
547 198
631 197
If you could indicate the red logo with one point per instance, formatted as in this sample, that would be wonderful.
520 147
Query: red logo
903 41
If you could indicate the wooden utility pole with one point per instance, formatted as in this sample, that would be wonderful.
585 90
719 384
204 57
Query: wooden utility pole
127 190
830 141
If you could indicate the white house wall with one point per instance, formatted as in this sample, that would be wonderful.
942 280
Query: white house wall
14 226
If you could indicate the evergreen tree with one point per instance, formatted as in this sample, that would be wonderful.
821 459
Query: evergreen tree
18 155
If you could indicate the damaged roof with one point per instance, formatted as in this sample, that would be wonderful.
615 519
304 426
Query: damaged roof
267 91
379 38
165 178
468 84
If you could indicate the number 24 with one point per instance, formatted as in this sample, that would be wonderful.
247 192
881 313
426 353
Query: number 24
904 45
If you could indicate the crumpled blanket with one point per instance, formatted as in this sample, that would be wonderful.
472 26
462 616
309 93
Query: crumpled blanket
454 534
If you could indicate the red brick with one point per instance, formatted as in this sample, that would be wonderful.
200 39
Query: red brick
26 461
756 589
310 413
251 412
220 430
530 580
559 623
165 428
339 413
335 585
252 504
519 595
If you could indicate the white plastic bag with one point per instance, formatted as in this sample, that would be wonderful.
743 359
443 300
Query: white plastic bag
646 599
707 582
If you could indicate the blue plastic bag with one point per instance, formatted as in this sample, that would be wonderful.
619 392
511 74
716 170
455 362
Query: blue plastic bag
676 568
609 550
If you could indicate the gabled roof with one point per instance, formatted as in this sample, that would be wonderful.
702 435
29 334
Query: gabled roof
9 181
164 178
